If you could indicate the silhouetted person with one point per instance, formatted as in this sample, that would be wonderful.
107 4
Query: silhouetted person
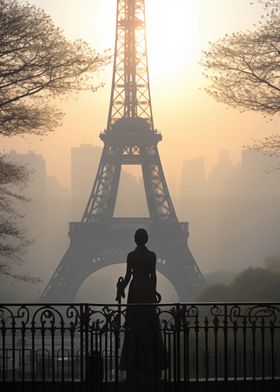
143 354
141 266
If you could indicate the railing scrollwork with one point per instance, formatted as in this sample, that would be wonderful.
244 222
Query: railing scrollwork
203 342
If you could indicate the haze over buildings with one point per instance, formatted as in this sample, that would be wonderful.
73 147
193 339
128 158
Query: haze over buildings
44 220
84 164
233 212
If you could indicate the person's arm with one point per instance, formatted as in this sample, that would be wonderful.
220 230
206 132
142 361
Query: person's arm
153 273
127 274
122 283
154 280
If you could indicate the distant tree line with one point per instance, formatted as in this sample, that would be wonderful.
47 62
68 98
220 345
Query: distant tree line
252 284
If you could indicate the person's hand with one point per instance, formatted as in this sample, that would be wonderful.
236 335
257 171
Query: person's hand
120 294
158 297
120 290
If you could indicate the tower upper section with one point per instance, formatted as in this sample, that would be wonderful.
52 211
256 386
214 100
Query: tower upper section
130 95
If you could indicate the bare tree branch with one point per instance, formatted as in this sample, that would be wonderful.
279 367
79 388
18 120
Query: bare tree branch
244 70
37 65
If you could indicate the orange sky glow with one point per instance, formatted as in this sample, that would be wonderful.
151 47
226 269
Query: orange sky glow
191 122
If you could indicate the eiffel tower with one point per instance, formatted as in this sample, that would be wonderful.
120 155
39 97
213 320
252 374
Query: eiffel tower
130 138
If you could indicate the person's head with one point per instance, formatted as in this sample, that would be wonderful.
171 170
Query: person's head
141 237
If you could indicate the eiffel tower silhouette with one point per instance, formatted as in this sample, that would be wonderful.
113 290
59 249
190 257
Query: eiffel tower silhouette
130 138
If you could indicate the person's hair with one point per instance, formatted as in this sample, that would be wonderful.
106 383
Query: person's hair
141 237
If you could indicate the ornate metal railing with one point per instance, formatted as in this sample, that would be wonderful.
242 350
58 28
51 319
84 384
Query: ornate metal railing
82 343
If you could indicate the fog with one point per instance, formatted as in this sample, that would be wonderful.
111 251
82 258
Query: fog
233 213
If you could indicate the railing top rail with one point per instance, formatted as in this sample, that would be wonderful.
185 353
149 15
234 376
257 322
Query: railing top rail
141 304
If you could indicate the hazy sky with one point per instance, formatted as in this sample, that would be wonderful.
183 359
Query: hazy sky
192 123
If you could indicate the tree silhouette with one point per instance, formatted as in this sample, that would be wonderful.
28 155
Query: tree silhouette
252 284
243 70
37 65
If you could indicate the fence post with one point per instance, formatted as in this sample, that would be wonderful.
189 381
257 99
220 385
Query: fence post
225 343
177 375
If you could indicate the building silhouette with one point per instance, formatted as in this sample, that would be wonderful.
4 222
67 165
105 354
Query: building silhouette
234 211
42 218
249 215
84 162
87 156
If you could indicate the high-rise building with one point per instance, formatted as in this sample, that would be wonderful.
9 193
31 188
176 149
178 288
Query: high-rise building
249 213
193 183
34 190
43 220
84 164
194 208
222 171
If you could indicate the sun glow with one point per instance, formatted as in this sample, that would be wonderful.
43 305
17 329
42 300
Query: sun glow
172 35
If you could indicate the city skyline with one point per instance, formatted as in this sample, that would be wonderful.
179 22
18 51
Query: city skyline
196 201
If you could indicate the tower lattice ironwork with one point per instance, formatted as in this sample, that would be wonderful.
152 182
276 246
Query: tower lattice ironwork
130 138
